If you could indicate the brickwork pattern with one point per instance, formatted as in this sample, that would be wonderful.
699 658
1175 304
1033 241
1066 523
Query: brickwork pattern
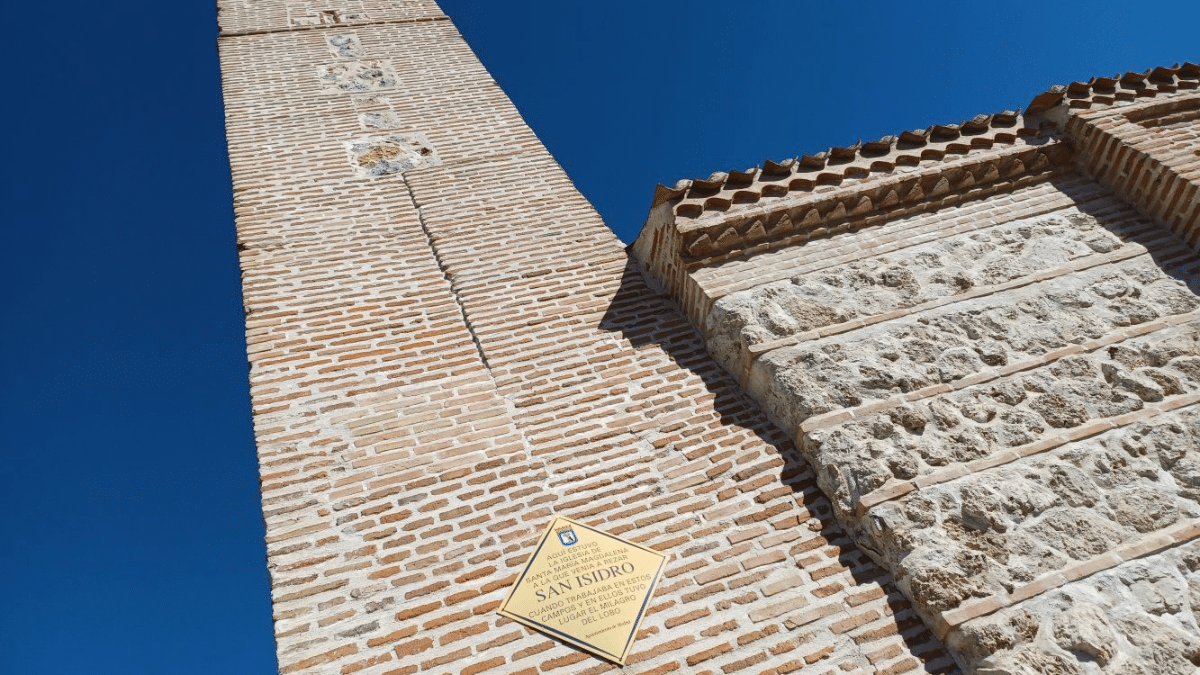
447 347
1148 153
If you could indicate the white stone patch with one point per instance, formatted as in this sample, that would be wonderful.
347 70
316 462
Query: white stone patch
384 119
308 15
344 45
358 76
395 153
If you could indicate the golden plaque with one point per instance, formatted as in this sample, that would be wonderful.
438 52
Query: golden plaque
586 587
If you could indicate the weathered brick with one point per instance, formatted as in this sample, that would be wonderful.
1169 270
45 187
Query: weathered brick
326 657
483 666
405 632
413 647
710 653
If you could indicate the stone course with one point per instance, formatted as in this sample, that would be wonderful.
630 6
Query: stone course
988 534
935 417
995 385
977 266
1139 618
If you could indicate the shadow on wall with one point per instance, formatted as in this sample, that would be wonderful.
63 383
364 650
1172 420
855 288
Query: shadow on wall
1150 234
648 320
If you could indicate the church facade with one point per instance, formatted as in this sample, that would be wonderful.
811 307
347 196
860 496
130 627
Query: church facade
925 404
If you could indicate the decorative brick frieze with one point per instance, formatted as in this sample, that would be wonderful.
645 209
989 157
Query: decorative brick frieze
722 190
256 17
806 213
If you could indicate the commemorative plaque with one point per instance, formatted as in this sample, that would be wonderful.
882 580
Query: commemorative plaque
586 587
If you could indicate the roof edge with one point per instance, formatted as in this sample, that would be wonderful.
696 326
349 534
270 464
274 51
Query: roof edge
722 190
1108 91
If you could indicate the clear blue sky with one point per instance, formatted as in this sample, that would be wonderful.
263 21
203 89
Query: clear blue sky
133 539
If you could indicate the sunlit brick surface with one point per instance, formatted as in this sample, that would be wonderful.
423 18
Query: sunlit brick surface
443 356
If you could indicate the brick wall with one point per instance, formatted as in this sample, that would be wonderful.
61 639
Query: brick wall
1150 154
447 346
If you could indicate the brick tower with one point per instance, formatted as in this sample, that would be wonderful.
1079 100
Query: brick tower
448 347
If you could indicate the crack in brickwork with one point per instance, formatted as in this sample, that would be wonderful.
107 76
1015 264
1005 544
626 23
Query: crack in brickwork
454 290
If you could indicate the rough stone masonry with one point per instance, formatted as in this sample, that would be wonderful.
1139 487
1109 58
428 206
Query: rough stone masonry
919 405
985 341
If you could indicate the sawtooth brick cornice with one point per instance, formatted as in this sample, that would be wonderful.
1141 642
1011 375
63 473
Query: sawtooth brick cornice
1118 89
737 214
